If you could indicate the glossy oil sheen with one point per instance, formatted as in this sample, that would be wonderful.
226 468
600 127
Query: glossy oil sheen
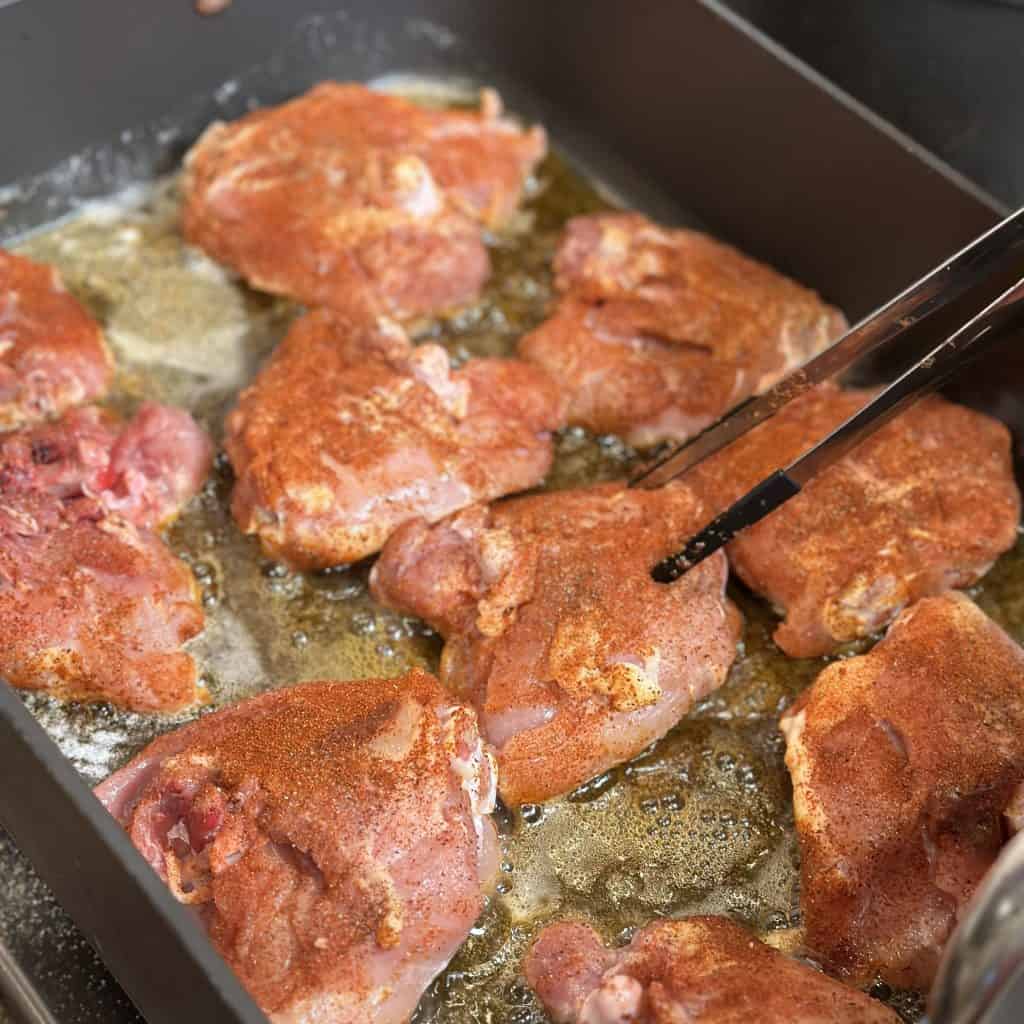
701 822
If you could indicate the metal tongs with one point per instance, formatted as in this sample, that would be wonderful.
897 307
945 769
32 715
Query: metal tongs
997 251
985 955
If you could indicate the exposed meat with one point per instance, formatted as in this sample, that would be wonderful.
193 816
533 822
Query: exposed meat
144 469
658 332
333 838
926 504
357 200
904 761
700 970
574 658
52 353
92 604
95 609
349 431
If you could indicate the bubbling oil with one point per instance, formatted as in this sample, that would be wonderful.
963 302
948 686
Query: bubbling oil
699 822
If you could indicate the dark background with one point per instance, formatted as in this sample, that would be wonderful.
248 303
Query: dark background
950 73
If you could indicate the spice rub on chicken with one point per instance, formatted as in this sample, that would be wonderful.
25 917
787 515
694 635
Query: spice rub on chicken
658 332
93 606
332 837
700 970
574 658
904 762
926 504
52 353
358 200
349 431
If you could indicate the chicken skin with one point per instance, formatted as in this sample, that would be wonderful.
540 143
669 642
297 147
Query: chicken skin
93 606
926 504
574 658
904 762
658 332
332 837
143 470
357 200
349 431
52 353
700 970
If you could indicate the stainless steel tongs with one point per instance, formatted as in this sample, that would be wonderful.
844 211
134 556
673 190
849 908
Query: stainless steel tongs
997 251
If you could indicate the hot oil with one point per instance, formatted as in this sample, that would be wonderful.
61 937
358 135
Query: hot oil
700 822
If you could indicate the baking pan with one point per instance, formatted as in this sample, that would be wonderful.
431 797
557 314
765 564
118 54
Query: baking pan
682 108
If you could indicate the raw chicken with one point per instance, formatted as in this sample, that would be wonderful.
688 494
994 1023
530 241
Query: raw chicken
332 837
52 353
349 431
573 656
143 470
659 332
904 762
357 200
93 606
95 609
926 504
701 970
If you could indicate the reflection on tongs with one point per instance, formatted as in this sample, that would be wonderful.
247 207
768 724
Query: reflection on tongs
986 952
986 259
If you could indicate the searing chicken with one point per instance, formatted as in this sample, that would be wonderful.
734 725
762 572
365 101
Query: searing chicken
658 332
143 469
357 200
52 353
927 503
332 837
349 431
93 606
700 970
904 762
573 656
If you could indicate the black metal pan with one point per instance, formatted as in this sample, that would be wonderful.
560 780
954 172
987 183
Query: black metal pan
683 100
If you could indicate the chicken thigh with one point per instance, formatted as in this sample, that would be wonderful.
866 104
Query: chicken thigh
332 837
700 970
93 606
573 656
658 332
926 504
357 200
904 761
349 431
52 353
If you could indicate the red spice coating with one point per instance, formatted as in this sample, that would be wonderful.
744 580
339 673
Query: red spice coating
52 353
904 761
658 332
357 200
332 837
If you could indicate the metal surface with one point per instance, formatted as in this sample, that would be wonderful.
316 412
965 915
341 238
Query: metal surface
716 119
124 908
1001 247
986 953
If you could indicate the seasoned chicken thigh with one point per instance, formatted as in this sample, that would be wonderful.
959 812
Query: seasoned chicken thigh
332 837
93 606
143 469
357 200
52 353
573 656
927 503
904 762
658 332
701 970
349 431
